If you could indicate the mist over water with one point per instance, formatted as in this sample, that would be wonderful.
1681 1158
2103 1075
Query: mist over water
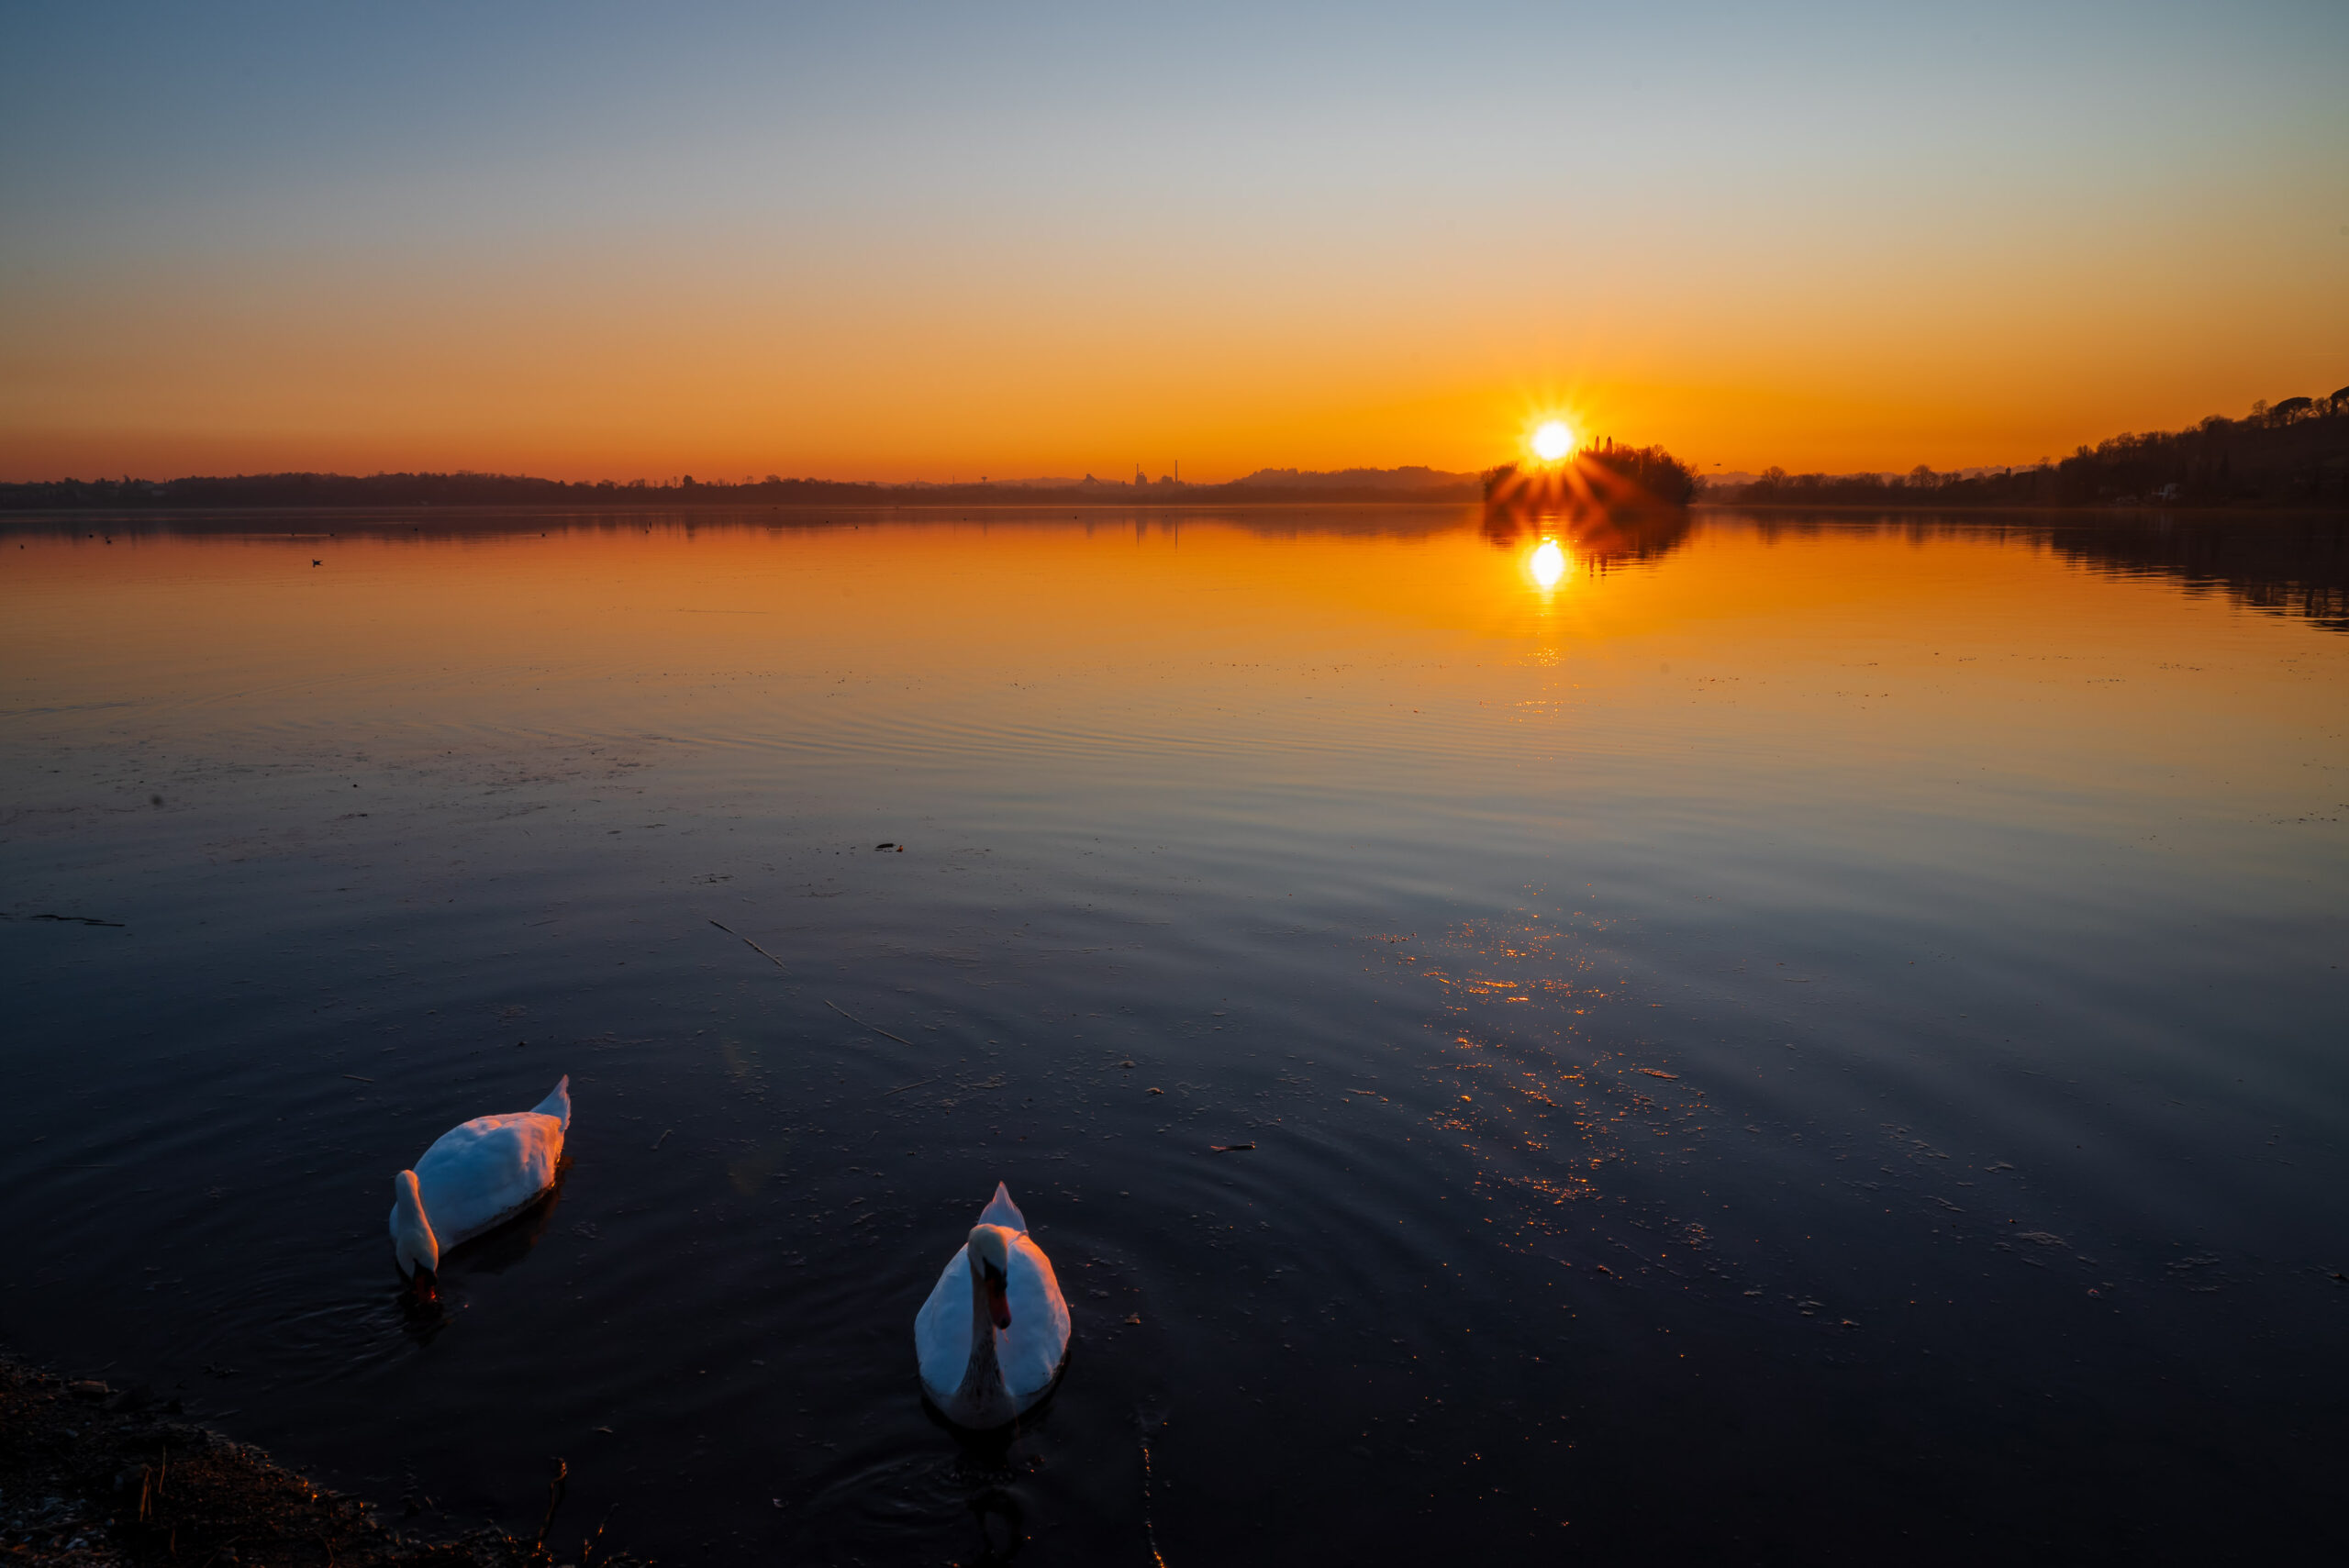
1806 1039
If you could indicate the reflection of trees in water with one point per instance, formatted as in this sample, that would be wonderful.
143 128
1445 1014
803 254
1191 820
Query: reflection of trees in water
1596 539
2296 567
2291 565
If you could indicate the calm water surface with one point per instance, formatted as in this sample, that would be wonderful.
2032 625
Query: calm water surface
1801 1041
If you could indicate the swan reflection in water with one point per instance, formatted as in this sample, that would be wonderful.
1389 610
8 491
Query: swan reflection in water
1002 1526
492 1252
984 1472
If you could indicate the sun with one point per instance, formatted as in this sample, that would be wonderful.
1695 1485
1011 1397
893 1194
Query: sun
1553 441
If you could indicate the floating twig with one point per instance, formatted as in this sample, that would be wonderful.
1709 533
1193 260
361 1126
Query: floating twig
1229 1148
664 1138
357 1079
903 1087
753 946
860 1023
1652 1072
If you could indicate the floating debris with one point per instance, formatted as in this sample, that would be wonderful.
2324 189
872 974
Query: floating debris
1229 1148
753 946
860 1023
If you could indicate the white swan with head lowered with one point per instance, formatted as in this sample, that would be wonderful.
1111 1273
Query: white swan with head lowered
475 1178
993 1336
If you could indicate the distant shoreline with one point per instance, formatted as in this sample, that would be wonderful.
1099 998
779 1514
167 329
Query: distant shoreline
319 492
801 514
802 509
2081 510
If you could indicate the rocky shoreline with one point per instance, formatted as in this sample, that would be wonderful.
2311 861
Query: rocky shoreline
93 1475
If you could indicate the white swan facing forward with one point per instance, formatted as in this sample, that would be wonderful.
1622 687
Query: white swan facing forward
993 1333
475 1177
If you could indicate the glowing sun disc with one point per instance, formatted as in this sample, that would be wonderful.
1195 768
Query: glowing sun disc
1549 564
1552 442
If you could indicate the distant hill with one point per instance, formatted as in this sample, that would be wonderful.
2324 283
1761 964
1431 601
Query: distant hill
1399 479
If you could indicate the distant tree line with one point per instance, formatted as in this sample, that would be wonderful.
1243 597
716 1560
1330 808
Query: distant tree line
1651 470
1605 477
2295 453
310 490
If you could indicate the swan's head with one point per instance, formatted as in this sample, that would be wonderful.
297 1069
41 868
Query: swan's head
418 1249
990 1252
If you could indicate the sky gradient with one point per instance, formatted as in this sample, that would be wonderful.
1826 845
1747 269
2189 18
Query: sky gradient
934 242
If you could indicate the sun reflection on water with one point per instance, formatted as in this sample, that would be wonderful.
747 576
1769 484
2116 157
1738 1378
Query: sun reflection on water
1548 563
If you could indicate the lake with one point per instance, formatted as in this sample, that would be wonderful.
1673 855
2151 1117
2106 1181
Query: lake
1792 1037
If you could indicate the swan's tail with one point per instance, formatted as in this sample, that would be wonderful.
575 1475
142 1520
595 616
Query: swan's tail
558 1104
1001 1211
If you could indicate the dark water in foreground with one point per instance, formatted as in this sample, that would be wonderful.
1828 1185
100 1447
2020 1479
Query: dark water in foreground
1798 1043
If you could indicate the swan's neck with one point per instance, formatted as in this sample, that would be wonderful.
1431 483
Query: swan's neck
418 1248
982 1400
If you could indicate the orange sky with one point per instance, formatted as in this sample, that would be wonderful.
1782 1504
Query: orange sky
617 253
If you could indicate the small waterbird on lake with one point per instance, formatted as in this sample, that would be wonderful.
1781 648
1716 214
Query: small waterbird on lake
475 1178
992 1337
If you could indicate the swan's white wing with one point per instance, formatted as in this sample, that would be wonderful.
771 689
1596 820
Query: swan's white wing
943 1330
487 1171
1031 1350
1001 1211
